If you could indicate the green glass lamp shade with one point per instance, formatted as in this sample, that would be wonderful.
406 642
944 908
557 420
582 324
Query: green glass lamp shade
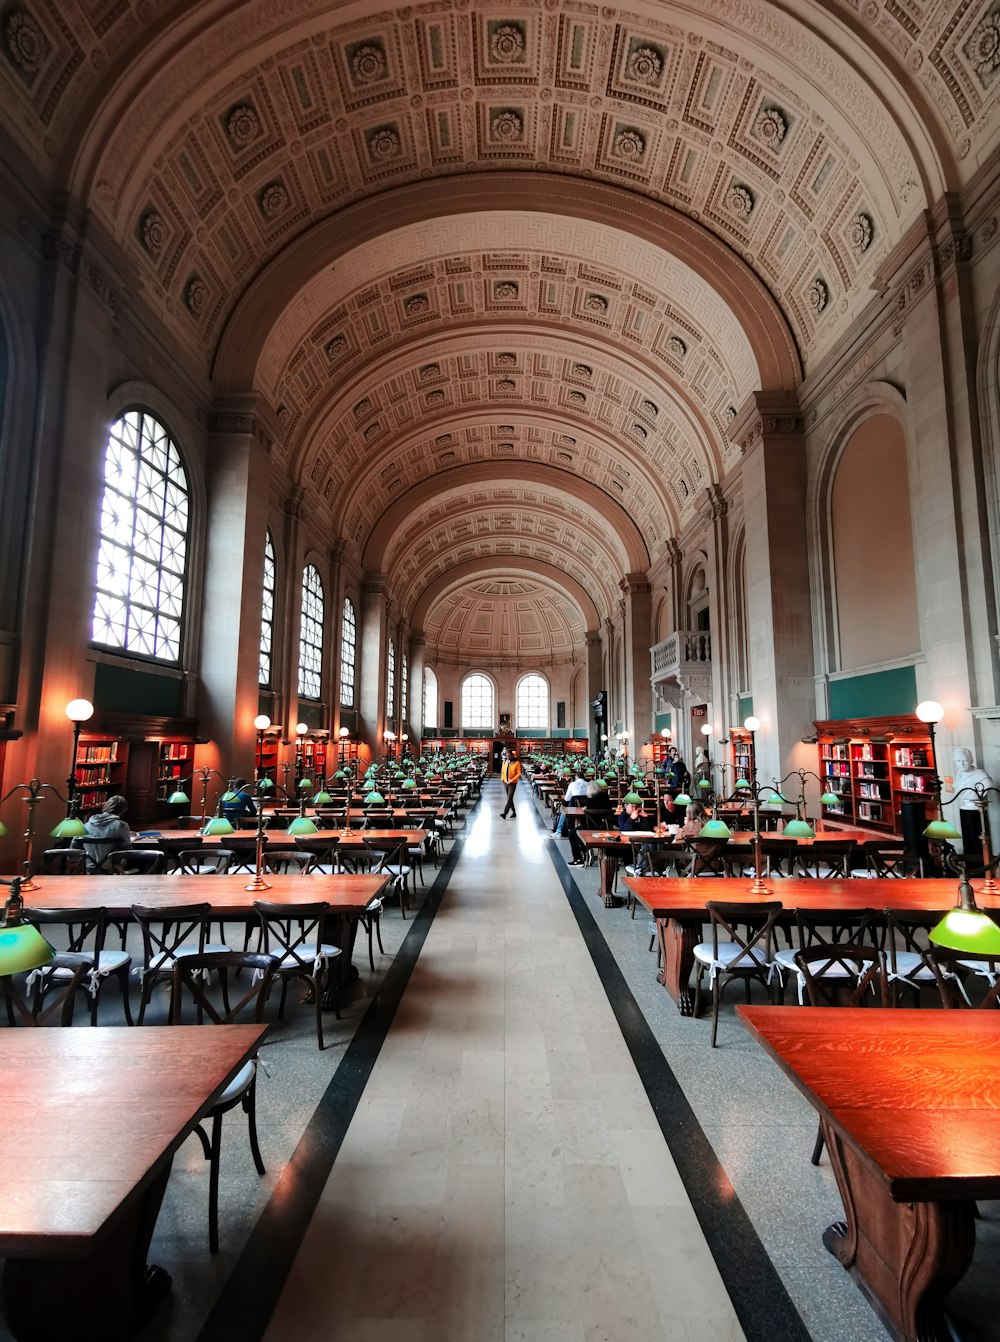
602 784
179 798
632 799
340 776
941 829
398 776
301 825
407 785
322 798
374 799
799 829
304 785
715 829
218 825
418 773
4 831
741 785
967 930
829 799
230 795
590 774
22 947
70 828
682 799
704 784
265 784
776 799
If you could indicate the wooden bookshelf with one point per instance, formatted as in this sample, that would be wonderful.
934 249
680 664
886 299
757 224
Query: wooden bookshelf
266 755
314 759
99 769
143 758
743 755
875 765
175 768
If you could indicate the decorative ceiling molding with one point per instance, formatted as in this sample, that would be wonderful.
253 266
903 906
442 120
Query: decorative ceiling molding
474 571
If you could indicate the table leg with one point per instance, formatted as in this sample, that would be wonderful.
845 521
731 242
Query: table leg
608 864
904 1256
102 1296
677 943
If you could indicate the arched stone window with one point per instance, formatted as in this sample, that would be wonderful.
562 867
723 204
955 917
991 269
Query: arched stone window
348 654
267 614
142 556
533 703
430 699
390 680
478 712
311 634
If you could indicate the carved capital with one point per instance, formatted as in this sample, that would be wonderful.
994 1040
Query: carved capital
675 555
338 548
635 584
246 414
715 504
375 584
766 414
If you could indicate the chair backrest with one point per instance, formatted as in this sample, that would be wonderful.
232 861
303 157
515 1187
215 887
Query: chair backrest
947 966
63 861
149 860
886 859
191 978
204 861
858 926
843 973
292 932
909 928
755 940
59 1012
165 929
708 856
778 853
189 822
837 856
85 929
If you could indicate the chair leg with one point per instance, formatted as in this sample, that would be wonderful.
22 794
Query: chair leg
123 974
250 1108
716 996
317 983
213 1185
817 1150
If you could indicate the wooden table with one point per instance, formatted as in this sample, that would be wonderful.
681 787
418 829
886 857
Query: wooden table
679 909
92 1119
908 1104
348 897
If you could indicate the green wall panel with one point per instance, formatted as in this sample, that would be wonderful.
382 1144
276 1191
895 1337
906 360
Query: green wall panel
874 695
120 689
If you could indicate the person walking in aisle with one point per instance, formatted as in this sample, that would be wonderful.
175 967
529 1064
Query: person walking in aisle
510 772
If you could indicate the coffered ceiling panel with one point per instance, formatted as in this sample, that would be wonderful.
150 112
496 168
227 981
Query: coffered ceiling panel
508 617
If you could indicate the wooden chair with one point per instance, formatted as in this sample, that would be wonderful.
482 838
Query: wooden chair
815 928
59 1012
203 861
703 857
63 862
947 966
827 860
906 943
168 933
190 976
131 860
293 935
745 955
886 859
389 857
86 930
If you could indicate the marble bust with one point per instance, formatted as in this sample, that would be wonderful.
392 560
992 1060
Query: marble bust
968 775
702 764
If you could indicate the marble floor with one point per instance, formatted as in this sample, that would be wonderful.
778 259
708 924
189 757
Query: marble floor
514 1135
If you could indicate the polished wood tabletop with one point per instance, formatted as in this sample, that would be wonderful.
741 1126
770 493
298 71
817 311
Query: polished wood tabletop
346 894
91 1116
684 898
916 1091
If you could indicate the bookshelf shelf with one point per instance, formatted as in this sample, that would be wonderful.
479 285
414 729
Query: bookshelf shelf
875 765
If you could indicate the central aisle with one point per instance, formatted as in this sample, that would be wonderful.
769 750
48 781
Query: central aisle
504 1176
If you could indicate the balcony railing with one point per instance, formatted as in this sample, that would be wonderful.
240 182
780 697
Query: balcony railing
684 650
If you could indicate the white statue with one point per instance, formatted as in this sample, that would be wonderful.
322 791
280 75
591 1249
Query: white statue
702 764
967 775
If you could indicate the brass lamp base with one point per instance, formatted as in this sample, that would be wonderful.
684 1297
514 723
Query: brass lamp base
257 882
760 887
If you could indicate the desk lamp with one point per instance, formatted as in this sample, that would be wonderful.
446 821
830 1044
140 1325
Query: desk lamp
22 946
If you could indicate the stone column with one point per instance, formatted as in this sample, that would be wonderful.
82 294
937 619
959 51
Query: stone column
373 627
595 683
287 688
335 622
636 634
237 489
769 431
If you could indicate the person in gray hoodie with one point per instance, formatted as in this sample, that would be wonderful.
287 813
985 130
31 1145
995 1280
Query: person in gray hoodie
109 830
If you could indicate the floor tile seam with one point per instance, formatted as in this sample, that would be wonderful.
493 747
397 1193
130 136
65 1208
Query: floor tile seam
722 1218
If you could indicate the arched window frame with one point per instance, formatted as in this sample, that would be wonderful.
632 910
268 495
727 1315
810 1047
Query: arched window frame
311 634
390 679
140 588
530 715
404 689
474 715
430 704
265 666
348 654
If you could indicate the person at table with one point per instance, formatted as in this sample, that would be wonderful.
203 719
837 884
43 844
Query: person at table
630 817
694 822
676 775
110 833
668 811
594 798
240 805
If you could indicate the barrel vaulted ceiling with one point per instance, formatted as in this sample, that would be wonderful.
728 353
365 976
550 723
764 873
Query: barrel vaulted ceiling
543 249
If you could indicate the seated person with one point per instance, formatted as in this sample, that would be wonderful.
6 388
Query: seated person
695 819
595 798
109 830
630 817
668 811
241 804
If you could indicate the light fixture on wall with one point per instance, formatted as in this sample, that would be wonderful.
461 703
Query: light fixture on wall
929 711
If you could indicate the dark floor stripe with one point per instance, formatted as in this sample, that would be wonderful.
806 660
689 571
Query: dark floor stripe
763 1306
244 1306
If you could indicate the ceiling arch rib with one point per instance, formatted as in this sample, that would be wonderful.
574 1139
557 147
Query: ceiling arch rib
504 520
624 543
721 112
506 617
482 569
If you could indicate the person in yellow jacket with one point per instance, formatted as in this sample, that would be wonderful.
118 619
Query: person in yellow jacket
510 772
